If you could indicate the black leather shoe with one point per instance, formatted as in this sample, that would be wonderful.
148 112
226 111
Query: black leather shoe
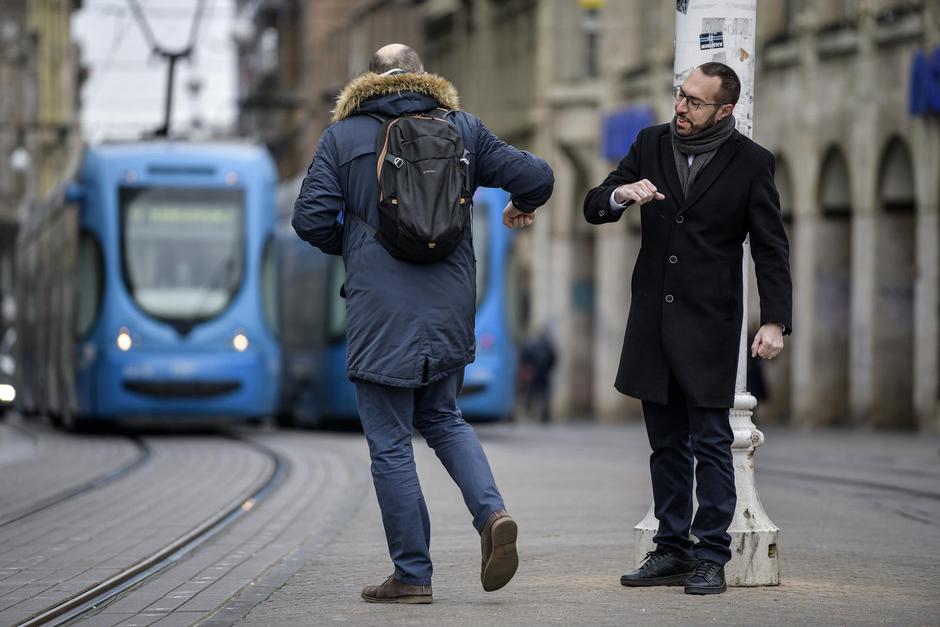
707 578
659 569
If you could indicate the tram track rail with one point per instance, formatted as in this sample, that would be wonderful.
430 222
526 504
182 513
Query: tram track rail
849 482
93 598
143 455
908 510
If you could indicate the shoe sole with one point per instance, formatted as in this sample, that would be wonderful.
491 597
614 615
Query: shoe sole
503 559
413 600
704 590
672 580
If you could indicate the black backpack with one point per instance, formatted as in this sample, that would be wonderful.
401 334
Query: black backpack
424 205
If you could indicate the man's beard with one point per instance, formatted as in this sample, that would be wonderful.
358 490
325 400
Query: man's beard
696 128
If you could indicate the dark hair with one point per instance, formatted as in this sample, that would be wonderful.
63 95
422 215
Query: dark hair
402 58
730 84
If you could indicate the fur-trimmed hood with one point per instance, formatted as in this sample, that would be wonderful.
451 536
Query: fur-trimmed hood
370 85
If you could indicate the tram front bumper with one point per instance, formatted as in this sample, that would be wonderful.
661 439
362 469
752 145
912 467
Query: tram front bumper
210 384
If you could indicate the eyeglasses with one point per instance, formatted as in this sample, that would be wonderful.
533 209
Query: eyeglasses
693 103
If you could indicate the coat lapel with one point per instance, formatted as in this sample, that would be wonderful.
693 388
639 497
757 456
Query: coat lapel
669 168
711 172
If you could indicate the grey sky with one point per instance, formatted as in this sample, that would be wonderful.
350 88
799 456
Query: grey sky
124 94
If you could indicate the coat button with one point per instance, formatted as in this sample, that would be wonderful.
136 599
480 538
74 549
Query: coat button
673 259
680 219
669 298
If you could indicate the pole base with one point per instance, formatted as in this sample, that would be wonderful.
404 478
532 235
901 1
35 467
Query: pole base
754 560
754 556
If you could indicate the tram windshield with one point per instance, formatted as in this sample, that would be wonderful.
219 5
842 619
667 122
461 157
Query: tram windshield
183 249
481 242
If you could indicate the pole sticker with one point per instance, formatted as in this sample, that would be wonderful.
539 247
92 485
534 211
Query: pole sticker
712 34
709 41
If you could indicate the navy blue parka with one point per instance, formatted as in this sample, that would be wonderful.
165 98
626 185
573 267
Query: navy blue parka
408 324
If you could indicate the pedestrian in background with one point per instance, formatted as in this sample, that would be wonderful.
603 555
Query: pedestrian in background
700 187
410 329
537 360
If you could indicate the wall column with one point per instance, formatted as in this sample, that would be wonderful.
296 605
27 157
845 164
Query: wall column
926 152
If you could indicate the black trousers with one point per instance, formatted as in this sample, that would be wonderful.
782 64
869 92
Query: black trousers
680 435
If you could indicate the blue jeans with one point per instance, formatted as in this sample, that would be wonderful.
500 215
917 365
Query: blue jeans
388 414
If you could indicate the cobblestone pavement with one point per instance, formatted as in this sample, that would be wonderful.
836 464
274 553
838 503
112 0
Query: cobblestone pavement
859 514
222 581
59 551
176 481
27 476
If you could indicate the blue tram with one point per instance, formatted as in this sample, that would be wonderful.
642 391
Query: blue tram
314 383
147 287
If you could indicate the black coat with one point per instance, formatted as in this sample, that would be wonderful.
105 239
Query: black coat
685 315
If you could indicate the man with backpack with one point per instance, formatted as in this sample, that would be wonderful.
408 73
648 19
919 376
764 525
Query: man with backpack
391 189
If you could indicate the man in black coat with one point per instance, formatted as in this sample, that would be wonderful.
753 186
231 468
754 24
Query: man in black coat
701 188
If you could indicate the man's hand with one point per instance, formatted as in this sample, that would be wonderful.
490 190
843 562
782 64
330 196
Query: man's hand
640 192
768 342
515 219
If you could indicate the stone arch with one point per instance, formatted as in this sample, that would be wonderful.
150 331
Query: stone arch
893 316
832 292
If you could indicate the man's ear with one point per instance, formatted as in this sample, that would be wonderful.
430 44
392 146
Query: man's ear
724 111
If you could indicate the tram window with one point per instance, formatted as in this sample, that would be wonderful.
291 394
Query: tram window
337 316
183 249
481 242
269 300
89 287
513 296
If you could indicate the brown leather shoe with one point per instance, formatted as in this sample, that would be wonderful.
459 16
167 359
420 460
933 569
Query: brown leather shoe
498 542
394 591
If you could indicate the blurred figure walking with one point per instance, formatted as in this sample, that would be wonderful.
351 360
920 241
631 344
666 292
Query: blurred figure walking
537 360
410 325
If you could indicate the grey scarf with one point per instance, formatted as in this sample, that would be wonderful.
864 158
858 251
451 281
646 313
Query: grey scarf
702 145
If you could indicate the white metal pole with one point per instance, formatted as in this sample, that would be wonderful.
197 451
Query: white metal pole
724 30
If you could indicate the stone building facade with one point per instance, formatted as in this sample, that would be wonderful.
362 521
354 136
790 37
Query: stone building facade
843 97
857 173
39 80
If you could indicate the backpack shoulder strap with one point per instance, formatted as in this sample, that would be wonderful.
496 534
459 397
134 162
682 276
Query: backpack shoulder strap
440 113
381 118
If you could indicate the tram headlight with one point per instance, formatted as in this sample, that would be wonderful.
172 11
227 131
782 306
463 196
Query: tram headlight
124 341
240 342
7 393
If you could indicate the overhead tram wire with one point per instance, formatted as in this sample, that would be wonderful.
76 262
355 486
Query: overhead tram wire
162 11
171 56
141 17
117 38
